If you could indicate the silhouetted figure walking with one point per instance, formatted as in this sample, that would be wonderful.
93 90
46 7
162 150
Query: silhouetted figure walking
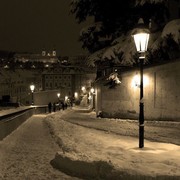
62 105
54 107
49 107
65 106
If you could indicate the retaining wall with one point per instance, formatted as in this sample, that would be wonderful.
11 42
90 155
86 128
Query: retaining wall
11 121
161 94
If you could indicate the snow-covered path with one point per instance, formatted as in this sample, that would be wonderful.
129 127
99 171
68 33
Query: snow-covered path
26 153
89 147
158 131
93 149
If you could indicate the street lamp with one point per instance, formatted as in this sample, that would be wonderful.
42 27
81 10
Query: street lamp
75 95
92 90
83 89
66 98
32 87
141 38
93 97
58 95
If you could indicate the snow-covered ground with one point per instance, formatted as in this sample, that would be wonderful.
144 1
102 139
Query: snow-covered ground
104 154
90 148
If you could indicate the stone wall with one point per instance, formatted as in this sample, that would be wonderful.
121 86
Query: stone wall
161 94
44 97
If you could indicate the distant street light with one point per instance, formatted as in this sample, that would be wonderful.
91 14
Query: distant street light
58 95
141 38
66 98
32 87
83 89
92 90
75 95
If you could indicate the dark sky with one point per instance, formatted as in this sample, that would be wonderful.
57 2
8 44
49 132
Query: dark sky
30 25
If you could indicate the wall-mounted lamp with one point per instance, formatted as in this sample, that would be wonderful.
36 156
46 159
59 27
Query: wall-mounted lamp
92 90
136 80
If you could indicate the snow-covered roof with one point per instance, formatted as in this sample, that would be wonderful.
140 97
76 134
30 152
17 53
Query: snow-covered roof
173 27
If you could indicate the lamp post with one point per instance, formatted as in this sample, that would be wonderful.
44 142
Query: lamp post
141 38
93 97
32 87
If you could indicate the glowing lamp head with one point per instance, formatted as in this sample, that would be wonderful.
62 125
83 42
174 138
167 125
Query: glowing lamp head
92 90
66 98
32 87
141 36
76 94
83 88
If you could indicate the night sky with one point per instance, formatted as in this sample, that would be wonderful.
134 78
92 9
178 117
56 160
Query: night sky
31 25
